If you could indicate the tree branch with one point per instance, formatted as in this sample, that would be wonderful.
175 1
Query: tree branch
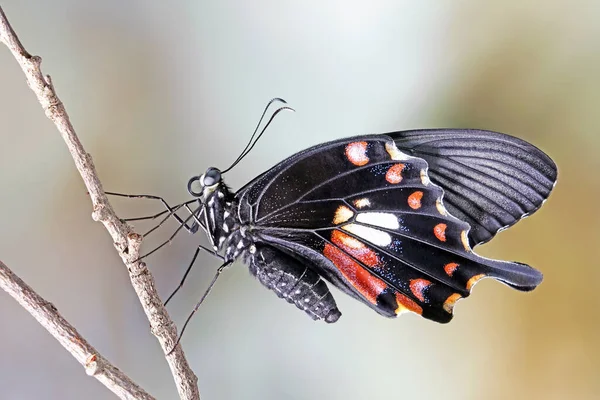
48 316
126 241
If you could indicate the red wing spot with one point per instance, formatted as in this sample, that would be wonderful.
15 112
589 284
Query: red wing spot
355 248
418 286
365 283
450 268
406 304
414 200
394 174
440 232
356 153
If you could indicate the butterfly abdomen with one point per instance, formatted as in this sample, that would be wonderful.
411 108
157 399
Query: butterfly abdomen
293 281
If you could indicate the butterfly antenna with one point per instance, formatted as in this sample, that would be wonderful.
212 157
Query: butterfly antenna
276 99
251 144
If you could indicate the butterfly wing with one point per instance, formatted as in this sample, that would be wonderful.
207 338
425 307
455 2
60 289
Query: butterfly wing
490 180
368 217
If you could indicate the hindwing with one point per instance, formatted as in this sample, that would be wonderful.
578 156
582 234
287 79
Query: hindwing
491 180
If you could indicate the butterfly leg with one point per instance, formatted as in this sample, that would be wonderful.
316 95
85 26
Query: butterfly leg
293 281
170 239
189 268
171 211
212 283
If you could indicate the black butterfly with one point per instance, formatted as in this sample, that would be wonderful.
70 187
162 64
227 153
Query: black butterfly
389 219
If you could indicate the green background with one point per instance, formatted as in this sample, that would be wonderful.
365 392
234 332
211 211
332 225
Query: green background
158 91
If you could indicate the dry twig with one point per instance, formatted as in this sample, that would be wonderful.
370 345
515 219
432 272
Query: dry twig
48 316
125 240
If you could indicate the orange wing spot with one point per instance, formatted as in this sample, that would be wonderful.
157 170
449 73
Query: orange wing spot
406 304
342 214
414 200
394 174
464 238
440 232
360 203
366 284
355 248
347 242
474 280
418 286
450 268
450 302
356 153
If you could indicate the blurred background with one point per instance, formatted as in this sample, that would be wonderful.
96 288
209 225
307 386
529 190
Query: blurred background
159 91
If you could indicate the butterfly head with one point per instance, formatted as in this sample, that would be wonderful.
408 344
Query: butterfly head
211 178
209 182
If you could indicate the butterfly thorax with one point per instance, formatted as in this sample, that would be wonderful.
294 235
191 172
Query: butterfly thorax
226 232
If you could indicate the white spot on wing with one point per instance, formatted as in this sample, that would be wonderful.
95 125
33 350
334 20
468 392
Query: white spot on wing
384 220
440 207
424 177
396 154
372 235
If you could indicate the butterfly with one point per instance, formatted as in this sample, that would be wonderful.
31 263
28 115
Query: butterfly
389 219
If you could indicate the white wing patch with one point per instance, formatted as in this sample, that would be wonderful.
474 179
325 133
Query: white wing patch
372 235
381 219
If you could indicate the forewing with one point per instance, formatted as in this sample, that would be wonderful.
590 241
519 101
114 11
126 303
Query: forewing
369 217
491 180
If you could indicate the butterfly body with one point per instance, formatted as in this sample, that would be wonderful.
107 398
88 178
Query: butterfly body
367 217
288 277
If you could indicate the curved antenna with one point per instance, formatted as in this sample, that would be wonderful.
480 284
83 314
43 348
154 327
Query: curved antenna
273 100
251 145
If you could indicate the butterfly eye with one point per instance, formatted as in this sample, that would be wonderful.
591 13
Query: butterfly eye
211 177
